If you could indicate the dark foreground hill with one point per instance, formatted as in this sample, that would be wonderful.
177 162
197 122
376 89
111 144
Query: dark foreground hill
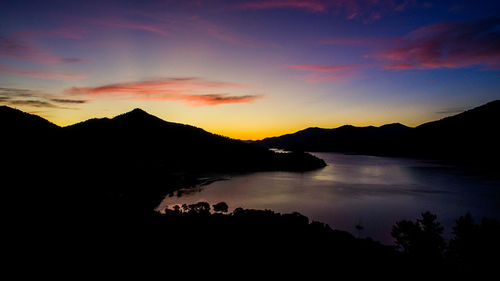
134 156
471 137
139 140
197 241
78 200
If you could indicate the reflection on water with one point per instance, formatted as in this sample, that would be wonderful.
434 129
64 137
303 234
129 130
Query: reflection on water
352 189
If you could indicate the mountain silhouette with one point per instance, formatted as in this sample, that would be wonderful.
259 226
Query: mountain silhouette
470 138
12 120
134 158
137 140
346 138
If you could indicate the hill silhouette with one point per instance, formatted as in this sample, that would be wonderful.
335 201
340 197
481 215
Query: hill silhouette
137 139
142 140
470 138
134 158
86 192
342 139
13 120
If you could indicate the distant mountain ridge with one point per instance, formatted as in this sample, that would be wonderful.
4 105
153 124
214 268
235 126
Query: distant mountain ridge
346 138
468 137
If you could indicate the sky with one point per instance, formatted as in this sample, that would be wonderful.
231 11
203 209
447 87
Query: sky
250 69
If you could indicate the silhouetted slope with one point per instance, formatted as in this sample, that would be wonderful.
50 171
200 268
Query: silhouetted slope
25 137
16 121
134 158
142 140
139 140
471 136
342 139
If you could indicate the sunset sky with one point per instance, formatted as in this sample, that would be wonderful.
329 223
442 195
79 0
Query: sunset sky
250 69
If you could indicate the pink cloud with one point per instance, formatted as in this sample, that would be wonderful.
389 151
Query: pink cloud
19 46
338 77
132 20
4 69
313 67
69 32
344 41
446 45
223 34
118 23
368 10
175 89
206 99
354 41
314 6
52 75
321 73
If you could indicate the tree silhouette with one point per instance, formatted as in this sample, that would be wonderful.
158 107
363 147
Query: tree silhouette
432 242
202 208
221 207
422 239
405 234
359 227
475 246
176 208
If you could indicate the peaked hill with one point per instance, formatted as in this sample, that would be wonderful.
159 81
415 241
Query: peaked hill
128 162
139 140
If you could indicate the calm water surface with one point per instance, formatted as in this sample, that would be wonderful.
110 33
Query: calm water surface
356 189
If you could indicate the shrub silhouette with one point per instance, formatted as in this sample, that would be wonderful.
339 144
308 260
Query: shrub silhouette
176 208
221 207
201 208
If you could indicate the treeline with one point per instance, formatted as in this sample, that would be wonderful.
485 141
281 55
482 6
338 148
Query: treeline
204 238
474 247
419 245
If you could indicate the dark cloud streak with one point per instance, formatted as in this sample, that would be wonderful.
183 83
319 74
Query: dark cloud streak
33 98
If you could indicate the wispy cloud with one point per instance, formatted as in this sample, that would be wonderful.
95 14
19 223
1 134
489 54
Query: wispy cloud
322 73
337 77
68 32
34 98
211 99
33 103
4 69
69 101
367 10
313 67
452 110
157 28
314 6
354 41
225 34
20 46
189 90
448 45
